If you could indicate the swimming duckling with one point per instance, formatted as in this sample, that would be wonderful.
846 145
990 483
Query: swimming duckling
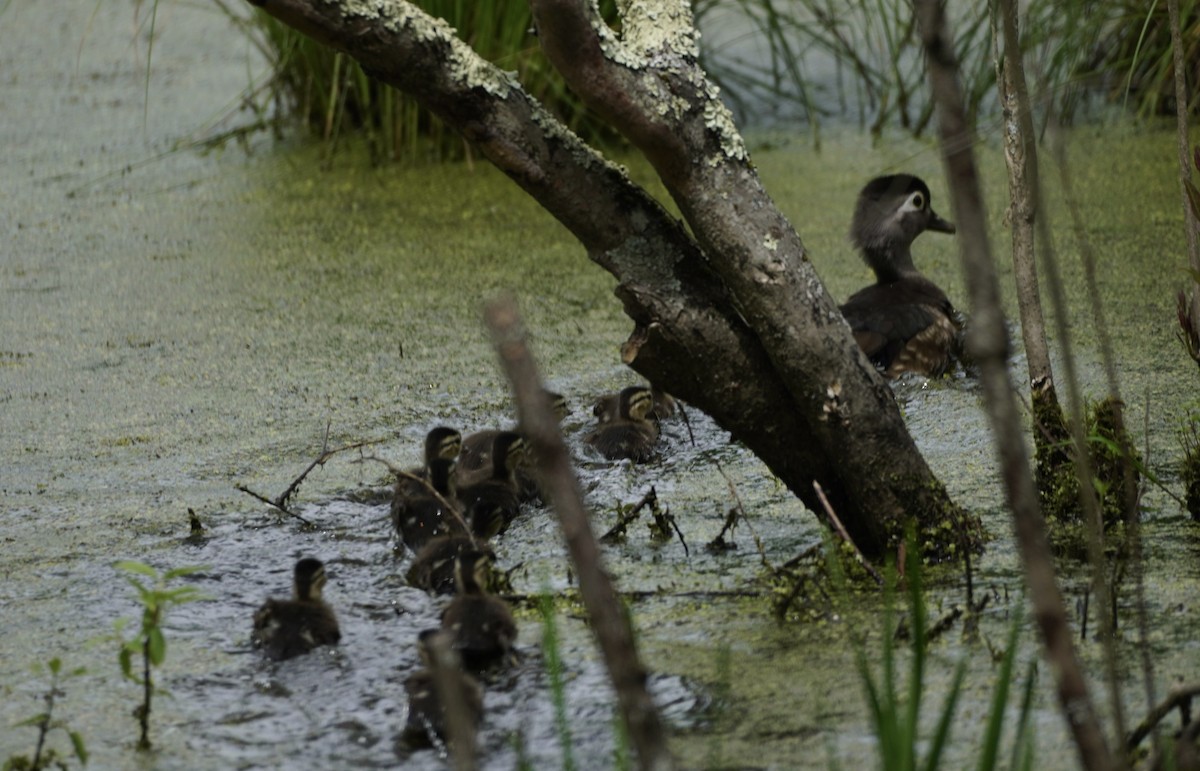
481 624
434 566
491 504
287 628
904 322
631 434
608 407
426 713
441 442
475 460
418 518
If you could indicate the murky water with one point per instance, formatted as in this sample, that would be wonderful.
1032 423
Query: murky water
177 325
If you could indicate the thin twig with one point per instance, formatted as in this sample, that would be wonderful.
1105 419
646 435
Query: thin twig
1180 697
609 620
758 543
841 531
428 487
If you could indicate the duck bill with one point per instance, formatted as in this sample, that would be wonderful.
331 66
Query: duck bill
939 224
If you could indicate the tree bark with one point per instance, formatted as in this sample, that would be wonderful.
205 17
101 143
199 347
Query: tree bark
732 318
988 342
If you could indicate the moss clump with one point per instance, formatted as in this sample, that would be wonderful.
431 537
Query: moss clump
1058 483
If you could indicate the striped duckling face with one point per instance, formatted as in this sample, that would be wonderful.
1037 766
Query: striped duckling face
637 402
442 442
508 452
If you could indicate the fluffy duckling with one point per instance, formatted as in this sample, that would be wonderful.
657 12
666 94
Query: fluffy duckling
433 568
475 460
481 625
903 322
418 518
426 713
632 433
491 504
441 442
287 628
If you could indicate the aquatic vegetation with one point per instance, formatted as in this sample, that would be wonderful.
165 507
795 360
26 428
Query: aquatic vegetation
1058 482
1189 436
895 716
149 642
333 96
43 756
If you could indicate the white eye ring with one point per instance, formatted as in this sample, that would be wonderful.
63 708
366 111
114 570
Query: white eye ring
918 201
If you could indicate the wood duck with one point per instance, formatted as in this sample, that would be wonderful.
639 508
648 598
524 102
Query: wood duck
441 442
475 458
426 714
608 407
903 322
420 517
433 568
632 433
287 628
491 504
481 625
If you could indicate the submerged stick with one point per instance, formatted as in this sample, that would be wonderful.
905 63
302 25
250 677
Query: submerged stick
840 529
608 618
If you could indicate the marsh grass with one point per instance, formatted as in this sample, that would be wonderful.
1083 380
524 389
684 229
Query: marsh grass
334 97
895 712
554 672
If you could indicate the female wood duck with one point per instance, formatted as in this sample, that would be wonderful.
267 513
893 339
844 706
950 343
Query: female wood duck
481 624
420 517
632 433
287 628
426 714
492 503
903 322
441 442
433 568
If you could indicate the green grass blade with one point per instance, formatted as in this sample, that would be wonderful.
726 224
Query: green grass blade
991 741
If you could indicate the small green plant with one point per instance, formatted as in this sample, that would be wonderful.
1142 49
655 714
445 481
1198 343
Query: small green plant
895 716
47 757
156 598
554 671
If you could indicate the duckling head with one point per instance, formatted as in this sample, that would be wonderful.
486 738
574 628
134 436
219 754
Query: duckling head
891 212
442 442
473 571
309 580
637 402
508 452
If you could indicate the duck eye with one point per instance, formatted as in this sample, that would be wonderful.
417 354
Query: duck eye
918 201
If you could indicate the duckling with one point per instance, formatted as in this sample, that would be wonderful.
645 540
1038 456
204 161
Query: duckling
903 322
418 518
475 460
608 407
426 713
481 624
491 504
441 442
631 434
287 628
434 566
